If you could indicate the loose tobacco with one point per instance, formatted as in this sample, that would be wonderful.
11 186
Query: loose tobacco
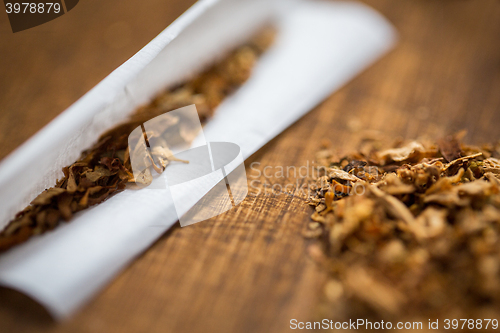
104 169
411 231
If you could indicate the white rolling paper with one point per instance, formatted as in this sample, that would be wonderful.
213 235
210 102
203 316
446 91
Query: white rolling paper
319 47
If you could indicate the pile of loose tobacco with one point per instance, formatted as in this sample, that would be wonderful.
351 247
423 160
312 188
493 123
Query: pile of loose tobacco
409 231
105 168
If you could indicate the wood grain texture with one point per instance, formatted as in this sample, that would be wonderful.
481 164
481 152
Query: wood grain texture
248 270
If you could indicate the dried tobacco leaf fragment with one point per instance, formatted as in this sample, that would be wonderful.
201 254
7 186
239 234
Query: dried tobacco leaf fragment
105 168
414 151
341 174
449 147
377 294
422 240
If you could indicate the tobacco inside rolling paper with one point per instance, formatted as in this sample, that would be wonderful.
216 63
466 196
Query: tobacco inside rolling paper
104 169
416 233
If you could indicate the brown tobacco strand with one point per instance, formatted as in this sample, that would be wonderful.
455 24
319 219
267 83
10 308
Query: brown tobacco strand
105 169
423 238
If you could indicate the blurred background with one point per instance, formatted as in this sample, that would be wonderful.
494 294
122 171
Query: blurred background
45 69
450 49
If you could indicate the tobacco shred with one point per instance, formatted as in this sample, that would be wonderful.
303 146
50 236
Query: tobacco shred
418 235
105 169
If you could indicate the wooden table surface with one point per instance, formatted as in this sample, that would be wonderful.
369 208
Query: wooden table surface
247 270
